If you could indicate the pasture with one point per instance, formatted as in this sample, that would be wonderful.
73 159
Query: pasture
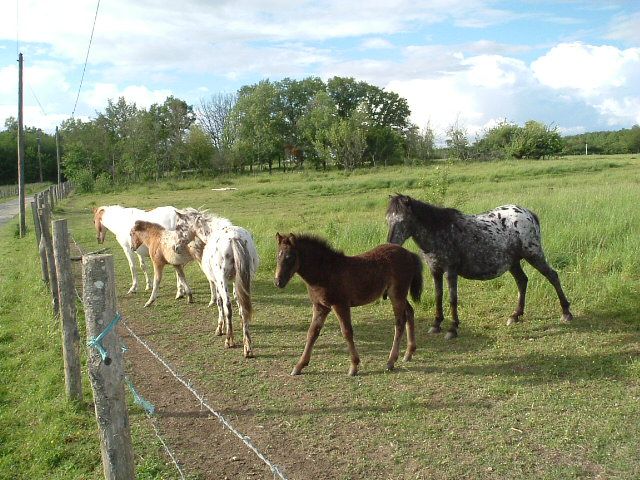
538 399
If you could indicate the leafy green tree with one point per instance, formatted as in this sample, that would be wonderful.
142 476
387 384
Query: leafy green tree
536 140
457 142
347 142
420 144
259 125
315 126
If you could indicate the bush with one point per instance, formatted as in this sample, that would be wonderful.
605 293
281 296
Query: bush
103 183
83 181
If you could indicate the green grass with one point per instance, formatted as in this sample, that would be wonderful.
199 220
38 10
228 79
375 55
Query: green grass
42 435
539 399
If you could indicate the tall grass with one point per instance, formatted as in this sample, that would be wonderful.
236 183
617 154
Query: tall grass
539 399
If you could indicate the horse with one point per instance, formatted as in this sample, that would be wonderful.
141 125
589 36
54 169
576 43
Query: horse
229 255
337 281
120 220
477 247
160 243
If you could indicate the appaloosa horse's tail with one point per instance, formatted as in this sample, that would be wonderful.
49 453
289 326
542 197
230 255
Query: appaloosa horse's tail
416 281
242 282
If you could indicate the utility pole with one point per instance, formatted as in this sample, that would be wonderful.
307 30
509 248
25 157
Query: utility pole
586 148
58 154
23 224
39 157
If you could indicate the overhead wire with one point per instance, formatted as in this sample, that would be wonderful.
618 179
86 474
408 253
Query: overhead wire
86 59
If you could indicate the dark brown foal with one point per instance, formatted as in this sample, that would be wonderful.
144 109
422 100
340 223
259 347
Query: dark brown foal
339 282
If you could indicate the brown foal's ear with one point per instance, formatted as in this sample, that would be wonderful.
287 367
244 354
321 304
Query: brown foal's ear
292 239
279 238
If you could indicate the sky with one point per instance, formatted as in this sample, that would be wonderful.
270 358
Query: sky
572 64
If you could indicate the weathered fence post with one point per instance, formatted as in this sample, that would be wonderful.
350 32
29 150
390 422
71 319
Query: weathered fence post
99 297
50 194
45 227
67 302
41 244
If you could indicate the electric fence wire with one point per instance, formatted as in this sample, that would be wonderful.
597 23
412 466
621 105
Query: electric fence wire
277 472
86 60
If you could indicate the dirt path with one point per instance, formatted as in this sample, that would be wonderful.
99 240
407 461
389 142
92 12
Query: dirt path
10 209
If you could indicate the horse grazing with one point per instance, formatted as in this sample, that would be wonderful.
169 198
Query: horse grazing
161 244
477 247
120 220
229 255
339 282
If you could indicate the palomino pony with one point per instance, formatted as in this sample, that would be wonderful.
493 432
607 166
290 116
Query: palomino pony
478 247
339 282
229 255
120 220
161 245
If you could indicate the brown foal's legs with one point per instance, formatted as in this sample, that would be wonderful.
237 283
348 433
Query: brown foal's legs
400 313
343 313
320 313
411 334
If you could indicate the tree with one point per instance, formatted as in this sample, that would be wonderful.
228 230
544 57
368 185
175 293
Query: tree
457 141
258 123
496 142
421 143
536 140
314 126
347 142
212 115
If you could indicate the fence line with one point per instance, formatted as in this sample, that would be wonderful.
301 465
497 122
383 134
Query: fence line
43 204
277 472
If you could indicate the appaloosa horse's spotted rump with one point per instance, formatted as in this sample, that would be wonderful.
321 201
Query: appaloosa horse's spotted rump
477 247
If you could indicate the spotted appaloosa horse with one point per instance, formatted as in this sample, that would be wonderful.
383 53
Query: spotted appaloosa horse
337 281
229 255
477 247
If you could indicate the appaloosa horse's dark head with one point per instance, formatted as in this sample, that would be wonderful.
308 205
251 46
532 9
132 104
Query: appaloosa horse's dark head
406 217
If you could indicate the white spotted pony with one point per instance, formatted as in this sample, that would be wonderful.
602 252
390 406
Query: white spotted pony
120 220
478 247
229 255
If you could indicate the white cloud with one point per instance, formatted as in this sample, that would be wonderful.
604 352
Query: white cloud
98 96
586 68
376 44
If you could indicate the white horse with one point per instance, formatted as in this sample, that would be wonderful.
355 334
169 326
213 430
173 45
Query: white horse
229 255
120 220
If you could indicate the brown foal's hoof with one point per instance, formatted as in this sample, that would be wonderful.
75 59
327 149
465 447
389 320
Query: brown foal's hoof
296 371
353 371
390 366
567 317
248 354
451 334
435 330
513 319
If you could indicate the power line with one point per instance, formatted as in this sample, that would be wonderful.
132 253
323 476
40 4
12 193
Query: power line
86 59
37 100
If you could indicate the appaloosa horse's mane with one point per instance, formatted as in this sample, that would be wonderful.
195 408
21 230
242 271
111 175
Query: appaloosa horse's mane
430 215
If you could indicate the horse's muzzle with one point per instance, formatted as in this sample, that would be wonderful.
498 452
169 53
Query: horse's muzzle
279 283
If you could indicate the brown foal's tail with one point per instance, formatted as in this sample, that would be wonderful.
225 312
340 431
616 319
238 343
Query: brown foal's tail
416 281
242 284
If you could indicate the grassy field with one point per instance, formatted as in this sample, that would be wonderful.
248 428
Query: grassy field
540 399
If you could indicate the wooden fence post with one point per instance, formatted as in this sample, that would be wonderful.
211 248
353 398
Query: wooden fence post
67 303
42 249
50 194
45 227
99 297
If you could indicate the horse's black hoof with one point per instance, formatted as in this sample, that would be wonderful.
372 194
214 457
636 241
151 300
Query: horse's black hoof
513 319
567 317
451 334
390 366
435 330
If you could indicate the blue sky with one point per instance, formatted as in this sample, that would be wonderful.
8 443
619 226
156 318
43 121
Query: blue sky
574 64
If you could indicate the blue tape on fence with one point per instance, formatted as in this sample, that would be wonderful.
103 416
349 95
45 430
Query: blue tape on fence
139 400
96 342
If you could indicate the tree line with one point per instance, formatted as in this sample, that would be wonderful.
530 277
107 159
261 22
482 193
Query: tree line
289 124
